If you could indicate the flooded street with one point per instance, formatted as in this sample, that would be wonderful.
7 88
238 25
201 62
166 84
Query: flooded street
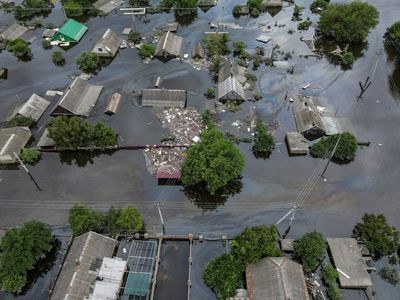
268 187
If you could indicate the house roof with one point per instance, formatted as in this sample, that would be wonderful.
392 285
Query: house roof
13 32
276 278
164 97
231 68
169 43
45 140
297 144
73 29
347 258
34 107
12 140
231 84
81 266
79 98
172 26
306 115
110 42
107 6
207 2
198 50
168 172
272 3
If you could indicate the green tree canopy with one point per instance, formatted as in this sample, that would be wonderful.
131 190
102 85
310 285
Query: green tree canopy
83 219
255 243
380 238
135 37
57 58
347 22
393 34
264 143
329 277
130 220
216 44
20 120
147 51
20 249
30 8
88 61
74 132
214 160
309 250
223 275
318 5
30 155
19 48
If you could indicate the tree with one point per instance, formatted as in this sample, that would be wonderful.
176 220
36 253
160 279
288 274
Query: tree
329 277
255 243
348 59
88 61
216 44
30 155
20 120
134 37
345 151
309 250
236 10
57 58
73 133
130 220
185 7
30 8
214 161
263 142
379 237
46 44
73 9
19 48
147 51
255 5
239 49
393 33
82 219
304 25
390 275
20 249
112 218
318 5
347 23
216 64
223 275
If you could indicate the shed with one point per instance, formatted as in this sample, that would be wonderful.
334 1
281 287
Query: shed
13 32
287 245
198 51
231 68
272 3
164 98
126 30
82 265
171 26
113 104
79 99
276 278
108 44
48 33
169 46
12 140
71 31
308 118
230 89
351 267
107 6
34 107
296 143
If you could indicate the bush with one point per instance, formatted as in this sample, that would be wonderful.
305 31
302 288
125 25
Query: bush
210 93
82 219
318 5
207 117
309 250
255 5
236 10
298 10
390 275
348 59
20 120
134 37
216 44
46 44
263 142
250 78
216 64
129 220
329 277
57 58
345 151
393 33
147 51
73 8
30 8
239 49
304 25
347 23
254 13
19 48
30 155
88 61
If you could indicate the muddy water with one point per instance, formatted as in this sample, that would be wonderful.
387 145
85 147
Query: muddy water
269 187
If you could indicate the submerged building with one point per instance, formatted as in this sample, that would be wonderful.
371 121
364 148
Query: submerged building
71 32
108 45
12 140
164 98
170 46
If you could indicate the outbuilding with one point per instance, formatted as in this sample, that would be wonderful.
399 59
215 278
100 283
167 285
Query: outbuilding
13 32
230 89
108 45
198 51
71 32
296 143
170 46
107 6
34 107
12 140
164 98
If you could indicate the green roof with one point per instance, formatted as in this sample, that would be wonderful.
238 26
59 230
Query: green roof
70 31
137 284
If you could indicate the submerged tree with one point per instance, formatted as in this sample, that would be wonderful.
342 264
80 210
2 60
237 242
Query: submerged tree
19 48
392 34
83 219
88 61
30 155
345 151
309 250
264 143
129 220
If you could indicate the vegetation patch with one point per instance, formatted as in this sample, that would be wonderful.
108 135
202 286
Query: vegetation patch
30 155
390 275
392 34
20 120
88 61
264 143
19 48
147 51
58 58
319 5
30 8
216 44
309 250
329 277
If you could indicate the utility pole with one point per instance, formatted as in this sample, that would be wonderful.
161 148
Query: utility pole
161 217
27 171
330 158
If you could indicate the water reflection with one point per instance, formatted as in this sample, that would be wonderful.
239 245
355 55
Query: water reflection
186 18
393 57
203 199
81 158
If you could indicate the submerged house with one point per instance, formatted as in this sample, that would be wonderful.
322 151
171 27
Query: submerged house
107 6
34 107
70 32
12 140
13 32
164 98
205 5
79 99
231 78
108 45
170 46
198 51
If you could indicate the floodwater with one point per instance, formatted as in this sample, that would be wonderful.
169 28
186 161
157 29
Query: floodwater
268 187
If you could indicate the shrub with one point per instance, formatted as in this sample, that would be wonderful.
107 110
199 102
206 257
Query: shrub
348 59
73 8
135 37
236 10
263 142
30 8
19 48
82 219
216 44
297 12
88 61
129 220
318 5
30 155
210 93
207 117
216 64
46 44
239 48
147 51
20 120
393 33
390 275
57 58
304 25
329 277
309 250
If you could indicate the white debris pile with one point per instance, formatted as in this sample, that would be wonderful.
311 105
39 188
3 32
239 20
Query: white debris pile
157 157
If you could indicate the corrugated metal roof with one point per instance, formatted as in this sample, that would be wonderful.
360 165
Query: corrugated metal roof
164 98
306 115
297 144
198 51
276 278
108 44
79 270
45 140
34 107
169 44
107 6
79 98
12 140
231 68
231 85
73 30
13 32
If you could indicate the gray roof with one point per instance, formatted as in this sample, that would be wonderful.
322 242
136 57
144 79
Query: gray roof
13 32
172 26
169 45
107 5
276 278
231 68
307 115
80 268
45 140
12 140
207 2
198 51
287 244
164 98
231 89
49 33
272 3
34 107
79 98
108 44
347 258
297 144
